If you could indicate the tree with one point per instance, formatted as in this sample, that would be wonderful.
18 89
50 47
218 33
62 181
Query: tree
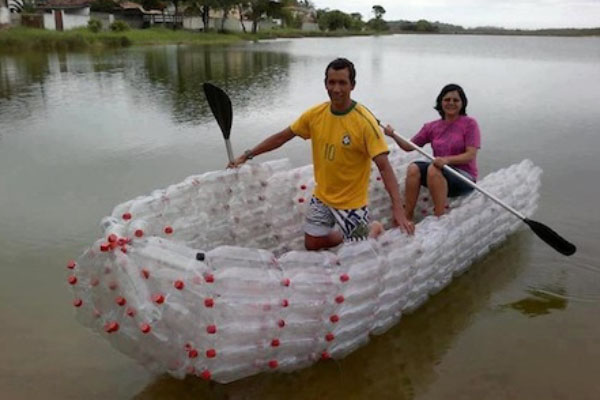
378 11
377 23
306 4
334 20
226 6
258 8
357 23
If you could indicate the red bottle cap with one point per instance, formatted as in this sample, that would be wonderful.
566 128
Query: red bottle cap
139 233
77 302
286 282
193 353
104 247
325 356
275 343
168 230
329 337
344 278
158 298
205 374
145 328
145 273
339 299
111 327
130 311
281 323
126 216
121 301
273 364
211 353
72 279
285 303
209 278
334 318
71 264
211 329
209 302
112 238
178 284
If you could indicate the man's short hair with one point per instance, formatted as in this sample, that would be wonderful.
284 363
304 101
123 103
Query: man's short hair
342 63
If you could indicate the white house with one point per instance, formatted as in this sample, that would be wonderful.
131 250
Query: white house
61 15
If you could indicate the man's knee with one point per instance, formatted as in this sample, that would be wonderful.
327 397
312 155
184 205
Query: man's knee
312 242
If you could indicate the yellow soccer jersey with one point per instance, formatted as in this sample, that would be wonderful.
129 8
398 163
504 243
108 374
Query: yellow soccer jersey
343 145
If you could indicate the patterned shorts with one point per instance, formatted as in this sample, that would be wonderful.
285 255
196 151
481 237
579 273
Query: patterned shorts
320 219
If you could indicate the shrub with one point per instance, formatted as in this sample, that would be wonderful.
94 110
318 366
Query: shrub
94 25
119 26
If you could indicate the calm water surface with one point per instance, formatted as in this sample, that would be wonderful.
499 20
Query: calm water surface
80 133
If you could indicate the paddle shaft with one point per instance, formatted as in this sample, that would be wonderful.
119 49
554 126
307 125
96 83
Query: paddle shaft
229 150
463 178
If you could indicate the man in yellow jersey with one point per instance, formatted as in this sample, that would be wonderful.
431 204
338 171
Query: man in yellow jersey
345 137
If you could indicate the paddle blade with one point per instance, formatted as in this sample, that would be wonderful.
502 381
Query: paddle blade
220 105
556 241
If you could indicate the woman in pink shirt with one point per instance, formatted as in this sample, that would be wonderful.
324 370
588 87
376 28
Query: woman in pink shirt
455 139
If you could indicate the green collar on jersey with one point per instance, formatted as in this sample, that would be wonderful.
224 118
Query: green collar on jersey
345 111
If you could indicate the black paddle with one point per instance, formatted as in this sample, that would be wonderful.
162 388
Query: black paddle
552 238
220 106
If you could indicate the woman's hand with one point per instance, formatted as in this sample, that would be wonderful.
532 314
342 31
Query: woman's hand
388 130
440 162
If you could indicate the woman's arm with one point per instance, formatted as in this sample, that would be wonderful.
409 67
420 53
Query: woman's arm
458 159
389 131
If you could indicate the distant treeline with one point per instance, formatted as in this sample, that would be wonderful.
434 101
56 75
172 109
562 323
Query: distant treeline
425 26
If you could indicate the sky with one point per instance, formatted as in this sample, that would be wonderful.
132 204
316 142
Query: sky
524 14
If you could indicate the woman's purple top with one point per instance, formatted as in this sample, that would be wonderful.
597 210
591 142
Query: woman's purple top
451 138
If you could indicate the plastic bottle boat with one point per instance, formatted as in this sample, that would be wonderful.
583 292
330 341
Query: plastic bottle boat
209 276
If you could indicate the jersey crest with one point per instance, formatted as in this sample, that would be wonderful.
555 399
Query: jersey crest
346 140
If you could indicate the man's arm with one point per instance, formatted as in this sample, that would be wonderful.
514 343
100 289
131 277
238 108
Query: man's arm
391 185
270 143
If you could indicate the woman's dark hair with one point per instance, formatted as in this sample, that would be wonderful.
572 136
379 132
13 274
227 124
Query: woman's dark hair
342 63
450 88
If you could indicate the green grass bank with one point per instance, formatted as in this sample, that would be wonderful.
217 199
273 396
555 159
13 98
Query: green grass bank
30 39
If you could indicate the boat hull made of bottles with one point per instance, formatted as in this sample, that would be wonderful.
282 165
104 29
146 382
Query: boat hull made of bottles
209 277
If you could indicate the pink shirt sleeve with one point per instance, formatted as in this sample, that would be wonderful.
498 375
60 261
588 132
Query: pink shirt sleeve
472 135
423 137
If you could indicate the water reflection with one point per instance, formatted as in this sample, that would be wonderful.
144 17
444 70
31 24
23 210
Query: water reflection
540 302
400 364
169 75
176 75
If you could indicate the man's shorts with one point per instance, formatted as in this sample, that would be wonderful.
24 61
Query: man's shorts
320 219
456 187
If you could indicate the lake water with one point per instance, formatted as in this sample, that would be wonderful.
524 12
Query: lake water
82 132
